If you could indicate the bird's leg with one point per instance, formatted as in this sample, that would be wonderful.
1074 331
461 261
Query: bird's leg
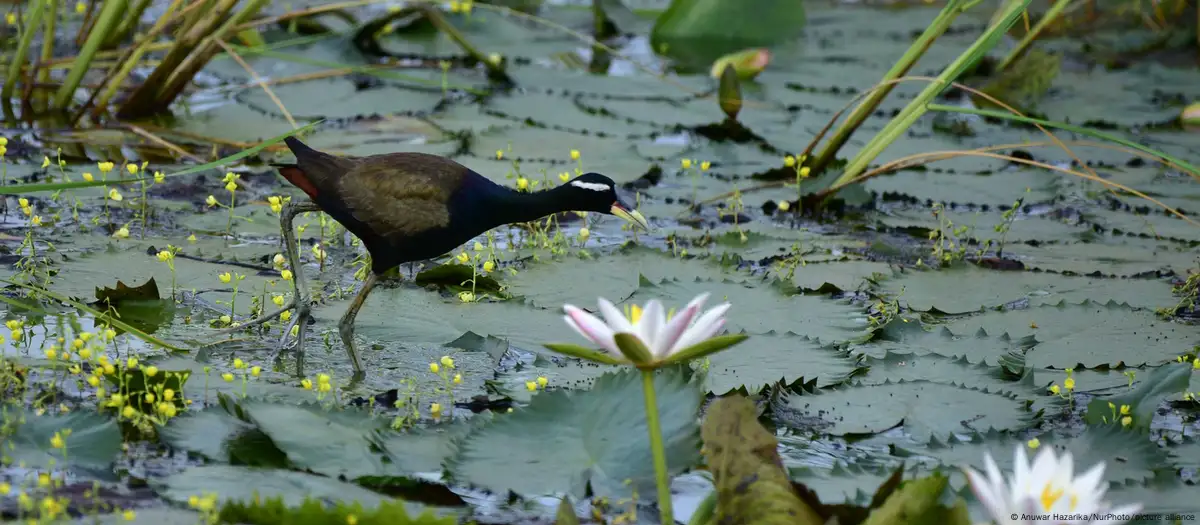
286 219
300 294
346 324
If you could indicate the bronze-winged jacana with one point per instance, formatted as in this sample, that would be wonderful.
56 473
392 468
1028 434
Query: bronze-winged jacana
407 207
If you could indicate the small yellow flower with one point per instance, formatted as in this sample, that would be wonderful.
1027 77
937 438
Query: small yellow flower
57 441
542 381
278 259
1034 443
164 256
1126 421
455 6
85 353
5 488
166 409
306 384
210 200
256 371
435 409
686 163
447 361
23 202
276 203
231 186
238 363
51 353
228 377
105 167
278 300
225 319
499 154
488 266
574 154
131 168
36 220
804 175
285 316
705 165
1125 410
150 371
88 176
286 275
10 19
191 239
80 7
121 233
531 385
45 161
463 257
94 381
43 480
1069 383
128 411
522 183
564 176
159 177
466 297
784 205
129 515
14 324
584 233
225 277
132 362
115 195
789 161
495 59
434 367
458 379
1054 389
168 395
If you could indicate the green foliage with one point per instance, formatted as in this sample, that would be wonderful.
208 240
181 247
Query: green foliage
273 511
91 440
700 31
917 502
743 457
1165 382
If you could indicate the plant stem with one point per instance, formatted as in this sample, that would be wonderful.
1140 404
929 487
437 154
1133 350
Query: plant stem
656 448
1051 15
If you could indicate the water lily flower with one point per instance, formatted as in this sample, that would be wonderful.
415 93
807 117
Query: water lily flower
647 336
1047 487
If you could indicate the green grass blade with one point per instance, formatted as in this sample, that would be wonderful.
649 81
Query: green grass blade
55 186
103 317
1100 135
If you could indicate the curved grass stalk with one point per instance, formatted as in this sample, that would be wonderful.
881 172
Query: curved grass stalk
216 164
259 80
916 107
132 58
1051 15
110 15
48 38
18 58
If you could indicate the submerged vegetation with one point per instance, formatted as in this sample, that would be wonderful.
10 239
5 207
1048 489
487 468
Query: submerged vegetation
926 259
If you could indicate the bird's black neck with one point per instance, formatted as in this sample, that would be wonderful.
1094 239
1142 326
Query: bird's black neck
515 206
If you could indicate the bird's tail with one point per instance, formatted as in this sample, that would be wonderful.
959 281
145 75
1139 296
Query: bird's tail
313 169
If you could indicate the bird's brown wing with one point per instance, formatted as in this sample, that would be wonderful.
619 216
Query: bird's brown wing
401 193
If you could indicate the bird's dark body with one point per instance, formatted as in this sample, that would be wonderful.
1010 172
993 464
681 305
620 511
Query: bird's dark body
410 206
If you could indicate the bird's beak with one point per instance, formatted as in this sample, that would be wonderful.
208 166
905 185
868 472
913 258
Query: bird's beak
630 215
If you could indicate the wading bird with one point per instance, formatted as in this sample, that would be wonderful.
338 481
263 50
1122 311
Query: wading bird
407 207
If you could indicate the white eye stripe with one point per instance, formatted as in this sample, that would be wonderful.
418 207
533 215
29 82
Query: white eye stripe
594 186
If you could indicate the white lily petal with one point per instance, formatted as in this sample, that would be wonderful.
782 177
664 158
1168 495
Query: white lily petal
994 502
591 328
613 316
1092 481
653 319
704 327
1020 482
675 328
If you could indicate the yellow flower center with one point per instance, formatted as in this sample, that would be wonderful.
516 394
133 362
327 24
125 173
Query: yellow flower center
1050 495
635 313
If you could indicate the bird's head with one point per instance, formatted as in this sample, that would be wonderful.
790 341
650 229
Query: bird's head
595 192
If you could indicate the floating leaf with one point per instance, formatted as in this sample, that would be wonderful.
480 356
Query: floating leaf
92 440
1165 382
564 441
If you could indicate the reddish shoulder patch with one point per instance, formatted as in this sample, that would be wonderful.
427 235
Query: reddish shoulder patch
296 176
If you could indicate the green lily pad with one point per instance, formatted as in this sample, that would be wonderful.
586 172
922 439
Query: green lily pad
791 358
234 483
566 441
913 338
91 440
922 408
1087 334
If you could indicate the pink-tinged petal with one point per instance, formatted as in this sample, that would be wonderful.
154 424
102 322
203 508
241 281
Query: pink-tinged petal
705 327
591 328
677 325
613 316
653 319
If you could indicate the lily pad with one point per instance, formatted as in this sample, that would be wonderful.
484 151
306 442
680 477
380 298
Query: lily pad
234 483
922 408
791 358
595 437
1087 334
91 440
